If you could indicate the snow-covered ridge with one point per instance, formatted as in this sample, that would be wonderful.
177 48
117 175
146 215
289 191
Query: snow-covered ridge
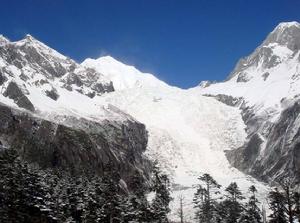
284 25
30 40
267 85
123 76
48 83
270 74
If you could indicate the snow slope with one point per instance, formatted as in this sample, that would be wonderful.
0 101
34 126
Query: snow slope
38 69
188 132
269 75
123 76
267 85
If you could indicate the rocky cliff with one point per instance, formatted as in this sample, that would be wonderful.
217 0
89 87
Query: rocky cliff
48 114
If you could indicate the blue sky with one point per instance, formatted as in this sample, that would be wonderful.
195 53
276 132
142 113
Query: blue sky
181 42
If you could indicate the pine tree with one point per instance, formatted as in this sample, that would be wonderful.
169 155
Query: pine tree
57 183
111 204
29 194
136 207
286 186
23 193
75 194
296 198
94 191
10 186
35 195
276 203
284 202
161 187
251 213
203 198
221 211
232 203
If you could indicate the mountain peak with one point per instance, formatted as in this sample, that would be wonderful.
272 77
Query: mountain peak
285 34
30 40
280 45
108 57
285 25
110 60
122 75
29 37
3 40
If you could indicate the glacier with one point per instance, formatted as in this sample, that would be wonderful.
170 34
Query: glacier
188 132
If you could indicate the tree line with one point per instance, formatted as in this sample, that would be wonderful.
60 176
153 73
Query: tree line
232 207
31 195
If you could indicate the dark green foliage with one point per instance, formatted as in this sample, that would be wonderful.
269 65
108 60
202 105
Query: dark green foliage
110 207
221 212
276 202
296 199
161 188
284 203
23 196
204 199
230 209
233 203
289 204
30 195
137 208
251 213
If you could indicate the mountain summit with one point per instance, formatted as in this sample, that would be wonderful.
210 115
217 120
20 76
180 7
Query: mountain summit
285 34
123 76
269 74
266 86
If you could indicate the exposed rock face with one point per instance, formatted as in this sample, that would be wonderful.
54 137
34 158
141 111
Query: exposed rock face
226 99
14 92
205 84
31 63
285 34
271 151
76 148
2 78
59 131
280 156
243 77
87 78
52 94
265 75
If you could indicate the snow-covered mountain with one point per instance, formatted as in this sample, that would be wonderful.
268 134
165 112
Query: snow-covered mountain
83 115
122 76
49 112
188 132
266 87
92 112
269 74
44 79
